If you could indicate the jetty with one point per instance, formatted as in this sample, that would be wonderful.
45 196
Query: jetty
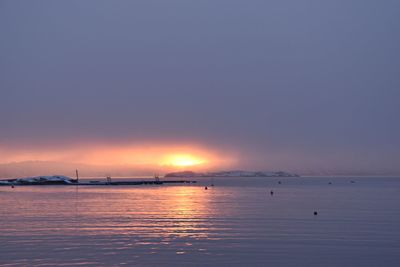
139 182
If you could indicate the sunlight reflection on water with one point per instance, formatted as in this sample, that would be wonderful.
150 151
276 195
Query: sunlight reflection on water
234 223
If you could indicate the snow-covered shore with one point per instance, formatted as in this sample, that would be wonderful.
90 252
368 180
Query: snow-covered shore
39 180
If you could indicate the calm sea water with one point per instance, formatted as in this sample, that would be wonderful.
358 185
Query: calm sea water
235 223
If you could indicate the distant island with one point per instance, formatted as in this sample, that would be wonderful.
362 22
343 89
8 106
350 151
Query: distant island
231 174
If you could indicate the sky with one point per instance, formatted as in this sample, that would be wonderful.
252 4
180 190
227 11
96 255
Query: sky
304 86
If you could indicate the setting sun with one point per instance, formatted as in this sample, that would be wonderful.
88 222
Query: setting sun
183 160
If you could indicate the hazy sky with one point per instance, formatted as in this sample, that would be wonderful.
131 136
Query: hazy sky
285 84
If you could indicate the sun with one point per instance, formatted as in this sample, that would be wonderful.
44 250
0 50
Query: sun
183 160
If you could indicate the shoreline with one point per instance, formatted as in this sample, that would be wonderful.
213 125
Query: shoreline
95 183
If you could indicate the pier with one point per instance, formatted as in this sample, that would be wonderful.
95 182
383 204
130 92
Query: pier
144 182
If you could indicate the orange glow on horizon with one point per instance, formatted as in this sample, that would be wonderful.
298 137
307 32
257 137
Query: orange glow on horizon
183 160
151 155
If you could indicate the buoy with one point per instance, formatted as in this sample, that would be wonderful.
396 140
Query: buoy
279 182
205 188
12 186
272 192
315 213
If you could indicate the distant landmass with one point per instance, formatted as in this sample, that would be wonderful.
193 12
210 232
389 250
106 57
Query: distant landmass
231 174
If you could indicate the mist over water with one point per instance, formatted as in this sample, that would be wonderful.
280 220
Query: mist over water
235 223
143 88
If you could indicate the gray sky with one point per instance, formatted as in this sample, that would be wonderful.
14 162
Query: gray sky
288 84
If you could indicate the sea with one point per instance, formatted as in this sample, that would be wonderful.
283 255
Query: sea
305 221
